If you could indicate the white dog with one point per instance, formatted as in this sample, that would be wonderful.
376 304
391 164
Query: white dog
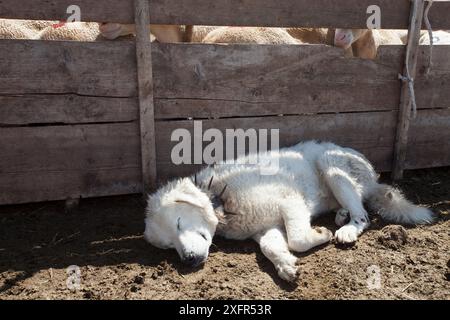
234 200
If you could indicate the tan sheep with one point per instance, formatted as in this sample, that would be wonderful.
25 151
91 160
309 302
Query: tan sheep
13 29
76 31
313 35
199 33
250 35
37 25
163 33
364 42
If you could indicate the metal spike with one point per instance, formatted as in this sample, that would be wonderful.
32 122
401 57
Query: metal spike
210 183
223 191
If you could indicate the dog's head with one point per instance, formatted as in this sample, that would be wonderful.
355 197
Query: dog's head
181 216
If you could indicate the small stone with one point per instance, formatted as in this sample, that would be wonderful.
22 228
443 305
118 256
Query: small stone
231 264
447 276
134 289
139 280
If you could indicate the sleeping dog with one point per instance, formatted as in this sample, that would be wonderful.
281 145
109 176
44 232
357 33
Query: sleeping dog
234 200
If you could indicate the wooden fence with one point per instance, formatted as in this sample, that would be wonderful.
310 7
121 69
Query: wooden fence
72 114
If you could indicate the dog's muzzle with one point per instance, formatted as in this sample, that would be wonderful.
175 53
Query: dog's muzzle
193 260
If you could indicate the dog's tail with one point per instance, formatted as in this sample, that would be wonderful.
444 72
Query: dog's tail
392 206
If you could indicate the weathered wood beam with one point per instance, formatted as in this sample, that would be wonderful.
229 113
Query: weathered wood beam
146 105
406 99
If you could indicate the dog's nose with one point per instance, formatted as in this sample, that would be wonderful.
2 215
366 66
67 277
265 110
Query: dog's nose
192 260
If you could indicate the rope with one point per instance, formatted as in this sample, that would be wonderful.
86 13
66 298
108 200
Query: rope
430 35
410 81
407 77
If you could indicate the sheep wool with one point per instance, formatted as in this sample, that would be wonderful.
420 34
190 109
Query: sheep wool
250 35
75 31
13 29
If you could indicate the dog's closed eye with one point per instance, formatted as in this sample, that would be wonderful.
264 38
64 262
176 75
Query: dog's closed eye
178 224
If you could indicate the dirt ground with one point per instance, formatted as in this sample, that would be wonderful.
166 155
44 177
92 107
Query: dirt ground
102 237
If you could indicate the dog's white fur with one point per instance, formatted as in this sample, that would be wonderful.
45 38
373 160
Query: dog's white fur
275 210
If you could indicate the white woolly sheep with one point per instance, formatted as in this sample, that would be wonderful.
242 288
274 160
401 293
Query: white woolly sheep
250 35
364 42
37 25
198 33
163 33
13 29
312 35
76 31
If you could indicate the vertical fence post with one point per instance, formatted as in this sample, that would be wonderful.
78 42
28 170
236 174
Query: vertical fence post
412 48
145 85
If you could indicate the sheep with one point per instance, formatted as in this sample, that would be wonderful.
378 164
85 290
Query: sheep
303 35
250 35
439 38
365 42
312 35
402 34
13 29
37 25
77 31
199 33
162 33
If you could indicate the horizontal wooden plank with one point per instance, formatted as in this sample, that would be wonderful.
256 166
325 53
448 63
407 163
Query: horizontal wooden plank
71 82
429 140
50 186
203 80
66 108
288 13
56 162
246 80
433 89
106 69
370 133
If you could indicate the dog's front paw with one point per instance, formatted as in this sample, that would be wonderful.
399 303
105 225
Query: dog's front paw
347 234
288 270
325 234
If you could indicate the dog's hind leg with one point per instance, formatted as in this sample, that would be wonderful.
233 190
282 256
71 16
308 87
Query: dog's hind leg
348 193
274 246
297 220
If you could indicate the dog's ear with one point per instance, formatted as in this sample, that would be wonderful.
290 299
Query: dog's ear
189 199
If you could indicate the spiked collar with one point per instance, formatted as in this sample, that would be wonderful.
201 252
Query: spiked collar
216 199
